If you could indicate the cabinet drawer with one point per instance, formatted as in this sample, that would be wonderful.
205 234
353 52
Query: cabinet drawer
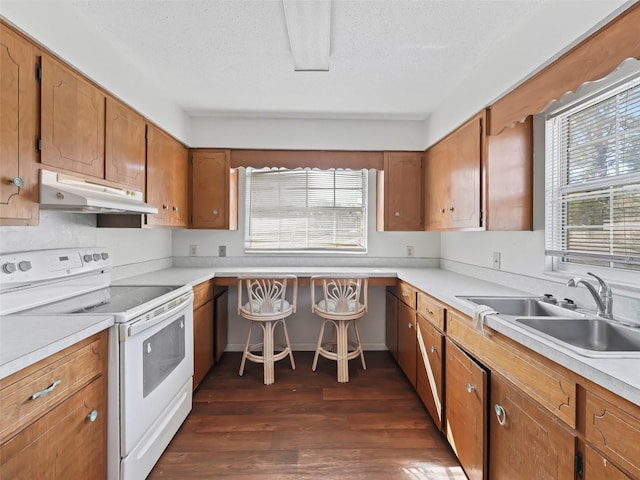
431 310
551 389
202 293
615 432
407 294
69 371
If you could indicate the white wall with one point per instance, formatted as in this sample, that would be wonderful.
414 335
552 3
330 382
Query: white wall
74 40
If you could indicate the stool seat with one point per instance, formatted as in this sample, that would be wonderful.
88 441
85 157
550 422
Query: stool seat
266 300
343 300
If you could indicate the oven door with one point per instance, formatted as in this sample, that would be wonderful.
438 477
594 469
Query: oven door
156 360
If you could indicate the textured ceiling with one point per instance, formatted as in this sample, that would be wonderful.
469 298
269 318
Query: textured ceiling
391 59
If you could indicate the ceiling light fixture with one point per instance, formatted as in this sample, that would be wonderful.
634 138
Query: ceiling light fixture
309 29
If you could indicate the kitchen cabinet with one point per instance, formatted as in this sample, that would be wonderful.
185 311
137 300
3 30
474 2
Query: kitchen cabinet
509 178
597 467
466 398
214 190
167 179
72 120
430 369
221 320
54 415
18 130
391 324
125 146
407 339
203 331
401 192
453 179
525 441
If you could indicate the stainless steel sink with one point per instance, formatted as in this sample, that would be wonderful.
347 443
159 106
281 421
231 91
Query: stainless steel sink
523 307
595 337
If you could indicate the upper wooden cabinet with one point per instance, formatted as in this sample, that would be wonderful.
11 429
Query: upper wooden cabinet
402 194
18 129
453 179
167 179
213 190
72 120
125 145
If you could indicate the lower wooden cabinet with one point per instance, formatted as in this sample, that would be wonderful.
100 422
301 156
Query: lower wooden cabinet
391 324
407 341
526 442
466 415
429 375
203 331
54 416
597 467
221 320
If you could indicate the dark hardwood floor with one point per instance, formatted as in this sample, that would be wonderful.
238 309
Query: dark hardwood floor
307 426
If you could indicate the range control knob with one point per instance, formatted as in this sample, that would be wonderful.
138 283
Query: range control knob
96 256
24 266
105 255
87 258
9 267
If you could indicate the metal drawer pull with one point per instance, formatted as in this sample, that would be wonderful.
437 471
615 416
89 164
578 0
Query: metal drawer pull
405 294
93 416
49 389
501 415
470 388
433 349
410 325
430 312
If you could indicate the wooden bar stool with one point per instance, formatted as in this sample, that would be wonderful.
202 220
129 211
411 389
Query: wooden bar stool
342 301
265 301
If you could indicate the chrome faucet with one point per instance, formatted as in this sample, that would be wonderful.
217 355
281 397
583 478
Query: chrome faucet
603 297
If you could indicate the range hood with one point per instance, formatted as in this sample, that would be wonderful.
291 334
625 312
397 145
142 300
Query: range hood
62 192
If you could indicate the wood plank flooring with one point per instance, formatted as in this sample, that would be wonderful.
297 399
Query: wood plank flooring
307 426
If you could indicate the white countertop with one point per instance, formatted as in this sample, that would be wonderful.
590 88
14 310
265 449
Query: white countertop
620 375
27 339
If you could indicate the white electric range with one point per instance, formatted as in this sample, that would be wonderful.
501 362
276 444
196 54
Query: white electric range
150 345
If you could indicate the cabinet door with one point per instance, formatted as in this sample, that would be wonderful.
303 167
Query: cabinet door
463 209
391 324
525 441
72 120
180 187
221 321
63 444
202 342
597 467
18 88
436 186
210 188
403 180
125 146
466 403
430 368
407 341
159 175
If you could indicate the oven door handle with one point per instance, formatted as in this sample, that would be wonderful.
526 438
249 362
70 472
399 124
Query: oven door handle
147 320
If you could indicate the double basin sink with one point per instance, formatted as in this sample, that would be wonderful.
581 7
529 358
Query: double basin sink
585 334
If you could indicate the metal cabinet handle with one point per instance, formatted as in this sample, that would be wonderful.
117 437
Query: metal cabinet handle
405 294
430 312
165 206
215 212
410 325
470 388
17 182
451 209
397 214
175 209
93 416
501 414
441 210
433 349
49 389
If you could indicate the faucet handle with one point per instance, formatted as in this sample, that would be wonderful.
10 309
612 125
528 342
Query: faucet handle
605 290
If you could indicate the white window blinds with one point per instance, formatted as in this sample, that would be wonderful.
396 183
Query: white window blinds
306 210
593 180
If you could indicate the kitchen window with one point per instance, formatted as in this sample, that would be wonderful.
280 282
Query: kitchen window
306 210
593 182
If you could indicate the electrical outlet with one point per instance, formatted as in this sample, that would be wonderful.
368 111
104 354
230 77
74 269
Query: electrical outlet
222 250
496 260
409 251
193 250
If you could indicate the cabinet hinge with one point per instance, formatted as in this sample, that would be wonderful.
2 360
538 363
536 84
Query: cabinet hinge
38 143
481 216
577 464
38 72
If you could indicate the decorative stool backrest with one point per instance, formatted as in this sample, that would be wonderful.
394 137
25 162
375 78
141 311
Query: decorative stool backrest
266 296
342 296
